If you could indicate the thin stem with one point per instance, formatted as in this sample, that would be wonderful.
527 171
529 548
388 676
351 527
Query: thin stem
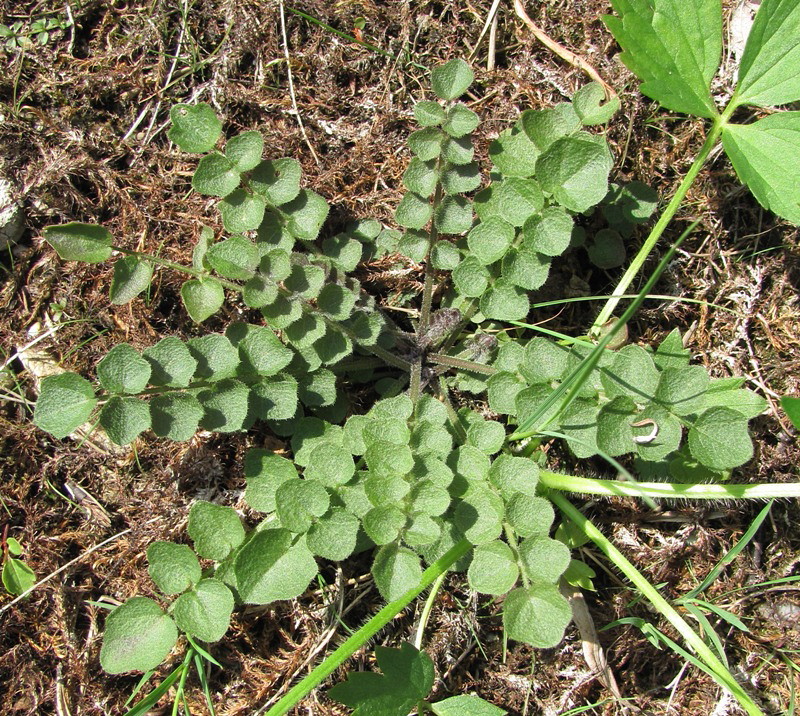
369 630
178 267
691 491
658 229
460 363
427 609
716 668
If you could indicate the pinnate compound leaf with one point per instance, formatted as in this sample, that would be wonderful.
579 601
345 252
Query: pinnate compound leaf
536 615
270 568
205 611
758 152
408 676
245 149
215 175
132 275
590 105
769 73
65 403
674 47
195 128
215 530
202 298
277 180
396 569
466 705
138 637
80 242
241 211
175 416
493 569
173 567
123 370
452 79
719 439
17 576
124 418
429 114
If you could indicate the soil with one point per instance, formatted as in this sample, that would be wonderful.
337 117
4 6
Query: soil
82 138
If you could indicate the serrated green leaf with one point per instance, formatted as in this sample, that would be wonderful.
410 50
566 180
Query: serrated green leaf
202 298
460 121
225 405
334 535
175 416
282 312
490 239
459 179
529 515
673 47
452 79
277 180
173 567
259 291
514 154
124 418
132 275
719 439
413 211
525 268
429 114
408 676
274 398
17 576
205 611
216 357
637 202
79 242
466 705
493 569
536 615
306 214
514 199
396 569
544 559
270 568
65 403
548 233
244 150
575 171
426 143
305 280
420 177
195 128
453 215
591 106
345 252
123 370
215 530
241 211
260 350
333 347
769 73
216 175
758 152
544 126
504 301
337 301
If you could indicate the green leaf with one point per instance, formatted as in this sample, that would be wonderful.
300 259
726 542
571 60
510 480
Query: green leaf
758 152
14 547
668 438
407 678
453 215
671 353
173 567
548 233
458 150
414 245
791 406
175 416
306 214
413 211
502 389
205 611
579 425
459 179
614 431
241 211
536 615
259 291
131 277
245 149
682 390
486 435
215 530
225 405
525 268
514 200
452 79
544 126
265 473
590 105
396 569
195 128
460 121
215 355
277 180
300 502
124 419
138 637
337 301
429 114
334 535
490 239
544 559
318 389
445 256
479 515
544 361
270 568
202 298
504 301
529 515
719 439
466 705
632 373
123 370
514 154
79 242
769 73
383 523
420 177
674 47
330 464
575 171
18 577
204 240
275 398
305 280
493 569
509 475
607 250
215 175
260 350
345 252
427 144
65 403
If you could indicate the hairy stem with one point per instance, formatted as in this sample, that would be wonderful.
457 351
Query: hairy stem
454 362
178 267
